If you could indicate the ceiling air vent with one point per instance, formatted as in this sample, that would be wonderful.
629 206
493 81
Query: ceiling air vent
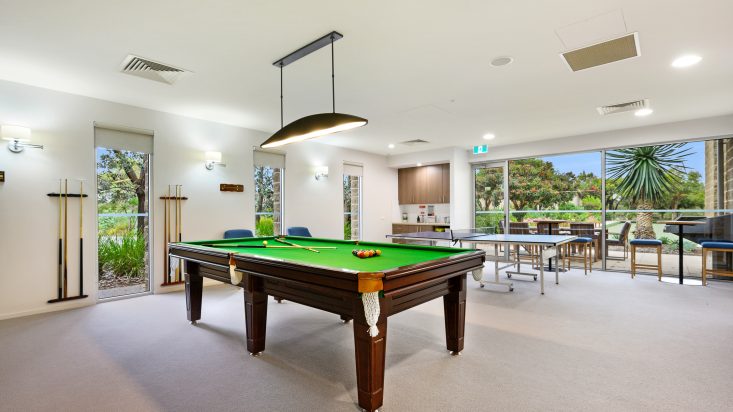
623 107
603 53
414 142
148 69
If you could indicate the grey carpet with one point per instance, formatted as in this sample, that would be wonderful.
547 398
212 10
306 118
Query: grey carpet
603 342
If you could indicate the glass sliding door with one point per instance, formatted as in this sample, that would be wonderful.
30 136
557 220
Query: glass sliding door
269 171
489 186
647 186
123 244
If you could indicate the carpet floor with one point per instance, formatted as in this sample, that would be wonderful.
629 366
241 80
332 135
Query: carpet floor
601 342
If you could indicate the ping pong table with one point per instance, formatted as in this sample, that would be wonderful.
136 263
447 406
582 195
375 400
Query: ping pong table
548 246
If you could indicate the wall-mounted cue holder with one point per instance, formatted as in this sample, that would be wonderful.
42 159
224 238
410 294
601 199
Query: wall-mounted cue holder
63 241
173 232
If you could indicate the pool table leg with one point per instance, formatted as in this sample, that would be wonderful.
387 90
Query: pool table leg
370 357
194 287
255 313
454 308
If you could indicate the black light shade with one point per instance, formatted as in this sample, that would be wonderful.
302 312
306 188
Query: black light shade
312 126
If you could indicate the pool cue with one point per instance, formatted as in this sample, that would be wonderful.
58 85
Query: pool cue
177 237
66 238
167 257
61 247
165 238
293 244
81 237
264 246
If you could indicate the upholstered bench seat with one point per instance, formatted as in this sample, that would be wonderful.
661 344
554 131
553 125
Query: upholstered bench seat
718 245
582 240
646 242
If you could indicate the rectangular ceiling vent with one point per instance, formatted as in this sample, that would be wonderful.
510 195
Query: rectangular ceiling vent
414 142
623 107
151 70
603 53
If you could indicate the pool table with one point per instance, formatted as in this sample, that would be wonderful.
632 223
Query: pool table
366 291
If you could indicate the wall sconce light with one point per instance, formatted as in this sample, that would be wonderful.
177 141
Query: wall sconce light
321 172
213 158
18 138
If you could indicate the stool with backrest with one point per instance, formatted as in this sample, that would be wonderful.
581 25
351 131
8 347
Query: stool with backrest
623 240
719 246
584 242
299 231
646 244
235 233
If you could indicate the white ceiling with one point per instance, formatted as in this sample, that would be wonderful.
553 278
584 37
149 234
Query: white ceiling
415 69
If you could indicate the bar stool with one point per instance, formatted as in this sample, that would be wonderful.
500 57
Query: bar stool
714 247
584 245
646 244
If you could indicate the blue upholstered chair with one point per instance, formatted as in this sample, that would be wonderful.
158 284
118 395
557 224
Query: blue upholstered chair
235 233
646 244
719 246
299 231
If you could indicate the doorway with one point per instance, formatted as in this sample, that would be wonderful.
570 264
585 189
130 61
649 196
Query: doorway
123 214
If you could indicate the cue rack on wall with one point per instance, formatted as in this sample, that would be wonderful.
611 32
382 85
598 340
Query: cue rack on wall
173 229
62 275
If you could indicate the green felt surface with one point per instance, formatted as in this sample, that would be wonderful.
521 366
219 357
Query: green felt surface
393 255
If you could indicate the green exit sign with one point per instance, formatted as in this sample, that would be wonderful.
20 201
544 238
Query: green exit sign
480 149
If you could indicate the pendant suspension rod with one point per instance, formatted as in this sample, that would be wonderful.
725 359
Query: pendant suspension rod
333 80
281 96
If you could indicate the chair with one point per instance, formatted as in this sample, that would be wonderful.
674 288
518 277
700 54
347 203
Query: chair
522 228
299 231
721 246
647 244
235 233
585 241
623 240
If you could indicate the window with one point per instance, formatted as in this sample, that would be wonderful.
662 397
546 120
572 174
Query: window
268 176
352 201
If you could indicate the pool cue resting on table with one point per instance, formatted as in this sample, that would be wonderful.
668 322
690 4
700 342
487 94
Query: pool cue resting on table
293 244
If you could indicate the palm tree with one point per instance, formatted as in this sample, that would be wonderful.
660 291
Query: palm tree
645 175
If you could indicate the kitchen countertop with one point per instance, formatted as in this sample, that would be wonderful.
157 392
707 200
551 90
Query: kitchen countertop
422 224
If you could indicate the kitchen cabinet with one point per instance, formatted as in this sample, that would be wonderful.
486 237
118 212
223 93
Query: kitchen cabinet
424 184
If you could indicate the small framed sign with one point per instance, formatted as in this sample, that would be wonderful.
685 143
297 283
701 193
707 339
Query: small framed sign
231 187
2 176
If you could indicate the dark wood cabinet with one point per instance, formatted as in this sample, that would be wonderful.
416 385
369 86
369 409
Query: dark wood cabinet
424 184
445 197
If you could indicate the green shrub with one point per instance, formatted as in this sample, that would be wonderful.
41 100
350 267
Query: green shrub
347 228
265 227
123 255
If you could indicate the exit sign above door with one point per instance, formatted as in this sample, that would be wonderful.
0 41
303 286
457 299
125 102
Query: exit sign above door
483 149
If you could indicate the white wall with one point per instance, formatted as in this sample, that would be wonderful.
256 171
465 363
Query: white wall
318 204
64 124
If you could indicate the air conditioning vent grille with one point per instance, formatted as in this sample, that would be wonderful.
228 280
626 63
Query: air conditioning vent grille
414 142
623 107
151 70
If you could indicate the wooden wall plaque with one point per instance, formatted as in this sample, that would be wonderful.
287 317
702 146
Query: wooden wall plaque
231 187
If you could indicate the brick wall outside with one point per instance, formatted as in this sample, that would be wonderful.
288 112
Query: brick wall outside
355 212
276 203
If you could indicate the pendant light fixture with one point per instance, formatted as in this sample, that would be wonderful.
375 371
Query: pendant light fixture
315 125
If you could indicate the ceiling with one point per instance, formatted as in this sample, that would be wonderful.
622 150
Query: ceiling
417 69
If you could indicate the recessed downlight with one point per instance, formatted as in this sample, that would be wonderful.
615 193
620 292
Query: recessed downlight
391 145
502 61
686 61
643 112
489 136
419 164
